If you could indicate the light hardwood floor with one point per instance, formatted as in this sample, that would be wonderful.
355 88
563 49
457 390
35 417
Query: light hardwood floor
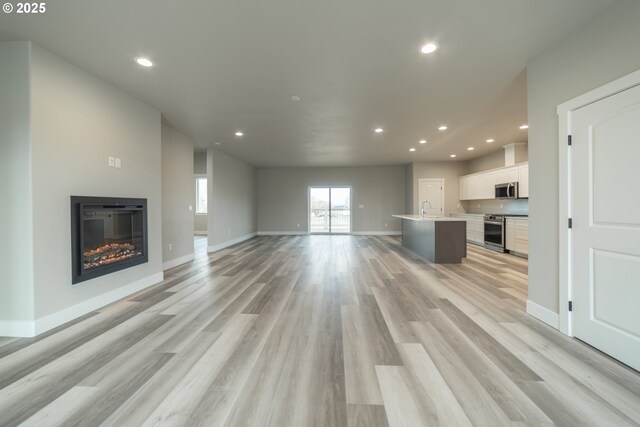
317 331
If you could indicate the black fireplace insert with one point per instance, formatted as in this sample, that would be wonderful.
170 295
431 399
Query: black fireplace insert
107 234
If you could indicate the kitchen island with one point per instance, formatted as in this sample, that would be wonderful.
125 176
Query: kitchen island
440 240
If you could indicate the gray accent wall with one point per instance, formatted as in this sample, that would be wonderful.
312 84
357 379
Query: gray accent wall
603 49
16 249
232 199
200 163
283 196
78 121
178 192
494 160
408 192
451 172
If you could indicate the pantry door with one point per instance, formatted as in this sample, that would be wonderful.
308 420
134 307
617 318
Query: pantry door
605 233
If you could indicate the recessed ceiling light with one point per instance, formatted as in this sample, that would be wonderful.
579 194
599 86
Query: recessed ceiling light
429 47
490 140
412 149
443 127
452 155
238 133
524 127
378 130
423 141
295 98
144 62
470 149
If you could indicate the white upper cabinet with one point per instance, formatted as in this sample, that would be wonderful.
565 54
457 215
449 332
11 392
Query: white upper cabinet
523 181
506 175
489 181
481 186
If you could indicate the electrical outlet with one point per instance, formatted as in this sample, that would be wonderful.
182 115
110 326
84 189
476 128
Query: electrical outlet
386 224
170 246
478 205
111 161
228 231
298 225
361 206
500 205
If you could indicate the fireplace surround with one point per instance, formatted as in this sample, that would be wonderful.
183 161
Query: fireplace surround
108 234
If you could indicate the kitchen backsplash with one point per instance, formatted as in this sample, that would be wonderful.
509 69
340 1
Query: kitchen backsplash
497 206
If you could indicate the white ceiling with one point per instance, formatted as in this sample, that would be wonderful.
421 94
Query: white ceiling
223 66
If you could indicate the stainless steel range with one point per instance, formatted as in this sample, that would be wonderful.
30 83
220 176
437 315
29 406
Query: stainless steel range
494 232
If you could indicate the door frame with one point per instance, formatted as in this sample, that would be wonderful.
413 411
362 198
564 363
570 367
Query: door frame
442 196
564 111
309 208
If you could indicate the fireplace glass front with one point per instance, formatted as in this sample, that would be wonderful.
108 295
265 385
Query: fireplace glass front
108 234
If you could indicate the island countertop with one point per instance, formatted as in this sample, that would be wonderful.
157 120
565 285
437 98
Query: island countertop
427 218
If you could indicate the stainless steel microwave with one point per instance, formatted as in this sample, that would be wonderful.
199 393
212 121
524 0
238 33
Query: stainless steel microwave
508 190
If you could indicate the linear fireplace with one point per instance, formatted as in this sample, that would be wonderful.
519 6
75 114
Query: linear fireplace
107 234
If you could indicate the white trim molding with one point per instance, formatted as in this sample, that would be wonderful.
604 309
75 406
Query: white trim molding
177 261
228 243
58 318
564 177
282 233
543 314
17 328
377 233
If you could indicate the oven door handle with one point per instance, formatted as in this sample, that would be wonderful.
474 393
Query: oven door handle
492 222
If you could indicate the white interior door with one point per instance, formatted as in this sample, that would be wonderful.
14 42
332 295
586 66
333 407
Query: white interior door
605 260
431 191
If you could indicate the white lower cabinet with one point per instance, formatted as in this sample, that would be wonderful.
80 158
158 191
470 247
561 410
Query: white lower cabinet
475 227
517 235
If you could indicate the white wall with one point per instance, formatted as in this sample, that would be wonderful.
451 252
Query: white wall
178 194
602 50
232 199
77 122
283 196
450 171
16 247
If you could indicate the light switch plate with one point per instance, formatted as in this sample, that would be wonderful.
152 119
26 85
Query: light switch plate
112 161
190 208
361 206
118 163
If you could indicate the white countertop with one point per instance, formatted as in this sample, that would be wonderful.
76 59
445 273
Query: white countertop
426 218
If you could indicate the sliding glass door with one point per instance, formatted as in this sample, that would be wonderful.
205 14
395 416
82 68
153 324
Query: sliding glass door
330 210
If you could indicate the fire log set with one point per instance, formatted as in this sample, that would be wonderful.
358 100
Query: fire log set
108 254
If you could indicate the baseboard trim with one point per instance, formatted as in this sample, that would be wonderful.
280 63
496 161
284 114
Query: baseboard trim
377 233
56 319
20 328
176 262
543 314
282 233
228 243
200 232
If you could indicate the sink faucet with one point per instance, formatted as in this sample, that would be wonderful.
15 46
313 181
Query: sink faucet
422 208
